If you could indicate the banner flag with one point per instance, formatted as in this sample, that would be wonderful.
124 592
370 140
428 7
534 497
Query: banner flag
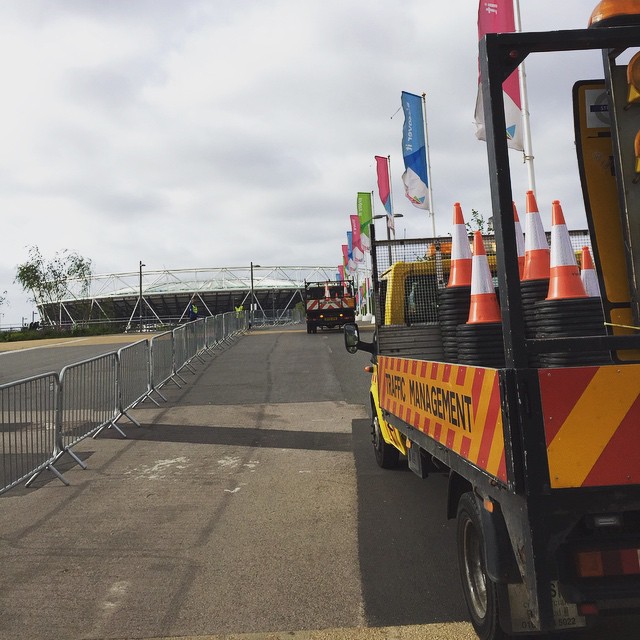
340 272
414 152
384 188
356 241
365 216
351 265
496 16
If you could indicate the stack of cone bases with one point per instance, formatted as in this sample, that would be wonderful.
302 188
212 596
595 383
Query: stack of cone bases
534 285
568 312
453 302
480 339
588 275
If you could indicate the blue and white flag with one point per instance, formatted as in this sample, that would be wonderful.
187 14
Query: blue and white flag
414 152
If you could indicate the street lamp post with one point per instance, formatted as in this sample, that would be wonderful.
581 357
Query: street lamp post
140 295
252 296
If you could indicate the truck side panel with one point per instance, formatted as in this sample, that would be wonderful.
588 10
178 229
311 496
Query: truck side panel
457 406
591 418
390 435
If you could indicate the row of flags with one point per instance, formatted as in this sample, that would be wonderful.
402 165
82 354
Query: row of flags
494 16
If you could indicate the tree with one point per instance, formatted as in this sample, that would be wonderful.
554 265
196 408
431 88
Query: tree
477 223
48 280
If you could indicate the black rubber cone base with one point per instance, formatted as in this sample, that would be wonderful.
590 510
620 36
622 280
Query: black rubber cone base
481 345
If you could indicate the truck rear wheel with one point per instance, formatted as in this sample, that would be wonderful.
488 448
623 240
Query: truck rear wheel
480 592
387 455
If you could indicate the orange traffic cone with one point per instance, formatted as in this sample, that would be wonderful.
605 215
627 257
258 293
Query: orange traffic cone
460 272
564 279
588 275
519 240
484 305
536 248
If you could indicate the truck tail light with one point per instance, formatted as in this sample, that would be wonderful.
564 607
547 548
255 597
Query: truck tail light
604 563
588 609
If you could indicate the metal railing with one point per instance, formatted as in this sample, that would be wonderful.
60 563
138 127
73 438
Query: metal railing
27 428
43 417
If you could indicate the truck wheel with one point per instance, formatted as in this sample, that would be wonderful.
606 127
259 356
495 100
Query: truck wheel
480 592
308 328
387 455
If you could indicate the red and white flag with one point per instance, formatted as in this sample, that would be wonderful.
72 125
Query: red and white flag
496 16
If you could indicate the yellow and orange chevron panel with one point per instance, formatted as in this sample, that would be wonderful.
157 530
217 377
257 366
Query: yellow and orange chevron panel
592 425
455 405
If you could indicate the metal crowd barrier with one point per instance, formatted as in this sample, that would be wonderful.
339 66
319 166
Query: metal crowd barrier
134 377
43 417
161 356
88 399
27 428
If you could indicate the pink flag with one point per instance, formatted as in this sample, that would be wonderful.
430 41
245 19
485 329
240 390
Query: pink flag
356 243
496 16
384 188
341 271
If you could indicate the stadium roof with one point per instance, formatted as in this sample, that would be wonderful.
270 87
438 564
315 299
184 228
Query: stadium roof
167 294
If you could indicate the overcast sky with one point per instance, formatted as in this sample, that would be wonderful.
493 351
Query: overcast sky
210 133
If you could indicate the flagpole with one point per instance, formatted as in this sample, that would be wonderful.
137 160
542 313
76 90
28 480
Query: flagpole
426 144
522 79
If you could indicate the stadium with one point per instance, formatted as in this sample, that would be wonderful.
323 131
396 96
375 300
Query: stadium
148 299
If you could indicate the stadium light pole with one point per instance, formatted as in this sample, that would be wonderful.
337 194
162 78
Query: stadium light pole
140 296
252 296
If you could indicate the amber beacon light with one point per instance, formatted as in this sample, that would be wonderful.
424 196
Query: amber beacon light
615 13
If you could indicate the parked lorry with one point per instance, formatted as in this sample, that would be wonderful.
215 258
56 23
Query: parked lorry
537 430
329 304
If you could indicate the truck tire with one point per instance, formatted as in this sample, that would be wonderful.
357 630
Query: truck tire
387 455
480 592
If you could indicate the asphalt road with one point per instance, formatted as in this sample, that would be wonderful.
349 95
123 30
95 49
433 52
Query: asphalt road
19 360
249 503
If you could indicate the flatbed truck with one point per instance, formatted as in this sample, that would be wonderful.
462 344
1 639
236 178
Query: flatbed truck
542 460
329 304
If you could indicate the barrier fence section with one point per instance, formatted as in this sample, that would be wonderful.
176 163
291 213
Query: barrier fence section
43 417
134 377
27 428
161 361
88 399
179 350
